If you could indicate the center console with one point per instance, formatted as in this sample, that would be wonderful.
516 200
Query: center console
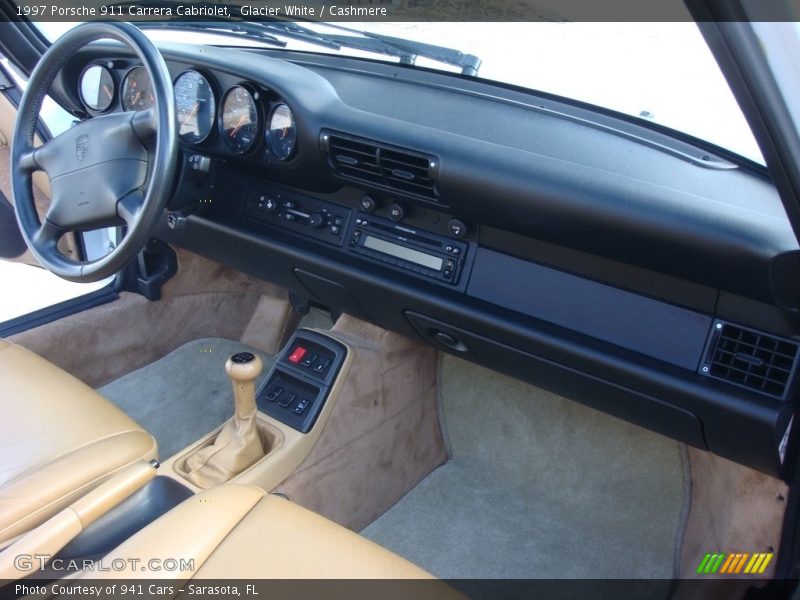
291 408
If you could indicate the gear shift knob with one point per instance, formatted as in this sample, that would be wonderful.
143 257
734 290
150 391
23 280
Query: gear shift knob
243 368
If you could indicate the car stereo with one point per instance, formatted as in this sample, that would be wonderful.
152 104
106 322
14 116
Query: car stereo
417 251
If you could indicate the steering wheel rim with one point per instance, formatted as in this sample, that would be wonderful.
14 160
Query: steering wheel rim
103 170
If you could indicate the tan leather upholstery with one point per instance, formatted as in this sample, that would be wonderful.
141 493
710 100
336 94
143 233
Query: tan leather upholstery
59 438
55 533
239 531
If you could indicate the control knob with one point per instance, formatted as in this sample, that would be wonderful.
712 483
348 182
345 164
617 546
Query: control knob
397 211
316 220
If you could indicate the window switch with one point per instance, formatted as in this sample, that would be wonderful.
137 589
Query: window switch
297 355
274 393
287 400
300 407
308 360
322 365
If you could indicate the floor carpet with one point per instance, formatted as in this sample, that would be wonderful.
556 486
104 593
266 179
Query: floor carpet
539 487
182 396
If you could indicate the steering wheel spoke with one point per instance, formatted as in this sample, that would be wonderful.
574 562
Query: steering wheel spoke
129 208
145 124
47 235
27 162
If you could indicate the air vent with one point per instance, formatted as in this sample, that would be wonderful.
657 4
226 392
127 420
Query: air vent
750 359
402 171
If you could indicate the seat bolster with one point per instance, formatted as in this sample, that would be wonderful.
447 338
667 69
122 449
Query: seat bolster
34 496
192 531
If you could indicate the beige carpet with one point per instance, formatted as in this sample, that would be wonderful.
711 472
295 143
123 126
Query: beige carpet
539 487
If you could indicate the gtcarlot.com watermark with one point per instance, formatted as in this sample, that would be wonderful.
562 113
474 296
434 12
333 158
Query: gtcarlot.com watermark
42 562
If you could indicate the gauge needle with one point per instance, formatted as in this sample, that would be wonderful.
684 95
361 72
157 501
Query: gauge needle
238 126
136 98
107 90
191 114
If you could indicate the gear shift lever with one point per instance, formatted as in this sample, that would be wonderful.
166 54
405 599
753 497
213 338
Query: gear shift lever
243 369
238 444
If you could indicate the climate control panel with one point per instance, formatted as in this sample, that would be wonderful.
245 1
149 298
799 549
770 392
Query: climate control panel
321 220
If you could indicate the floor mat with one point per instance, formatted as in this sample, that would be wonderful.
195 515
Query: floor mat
182 396
539 487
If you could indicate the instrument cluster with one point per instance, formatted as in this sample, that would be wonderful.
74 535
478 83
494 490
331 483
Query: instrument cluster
242 118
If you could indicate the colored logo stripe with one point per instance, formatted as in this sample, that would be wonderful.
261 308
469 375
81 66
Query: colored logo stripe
735 563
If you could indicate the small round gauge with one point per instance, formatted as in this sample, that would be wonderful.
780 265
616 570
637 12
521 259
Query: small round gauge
97 88
239 120
196 107
137 91
281 132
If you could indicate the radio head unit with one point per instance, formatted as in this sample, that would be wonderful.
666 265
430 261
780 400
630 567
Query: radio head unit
420 252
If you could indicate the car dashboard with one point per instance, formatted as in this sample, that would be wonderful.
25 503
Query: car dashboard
618 264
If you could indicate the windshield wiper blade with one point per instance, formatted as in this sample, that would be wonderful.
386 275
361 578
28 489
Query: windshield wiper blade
262 28
406 50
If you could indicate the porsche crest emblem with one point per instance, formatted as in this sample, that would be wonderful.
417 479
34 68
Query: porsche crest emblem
82 146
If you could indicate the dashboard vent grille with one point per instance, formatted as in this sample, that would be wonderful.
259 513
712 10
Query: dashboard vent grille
751 359
402 171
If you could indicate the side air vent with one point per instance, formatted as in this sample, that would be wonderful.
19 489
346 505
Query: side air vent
751 359
402 171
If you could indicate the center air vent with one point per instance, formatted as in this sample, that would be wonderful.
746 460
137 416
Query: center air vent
402 171
750 359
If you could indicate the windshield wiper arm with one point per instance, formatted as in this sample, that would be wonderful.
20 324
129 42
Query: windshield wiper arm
406 50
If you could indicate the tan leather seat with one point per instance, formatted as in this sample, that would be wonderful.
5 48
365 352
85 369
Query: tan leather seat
59 440
237 531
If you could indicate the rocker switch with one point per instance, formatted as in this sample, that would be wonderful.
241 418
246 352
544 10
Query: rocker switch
297 355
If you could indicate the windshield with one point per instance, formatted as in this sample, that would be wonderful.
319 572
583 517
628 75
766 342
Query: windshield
658 72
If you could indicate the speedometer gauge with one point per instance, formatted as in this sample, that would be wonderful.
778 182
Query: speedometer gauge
97 88
137 91
239 121
281 132
195 105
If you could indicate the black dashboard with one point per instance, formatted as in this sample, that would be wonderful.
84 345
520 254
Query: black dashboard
644 274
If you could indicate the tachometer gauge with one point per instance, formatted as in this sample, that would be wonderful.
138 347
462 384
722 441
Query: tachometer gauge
239 122
196 107
281 132
97 88
137 90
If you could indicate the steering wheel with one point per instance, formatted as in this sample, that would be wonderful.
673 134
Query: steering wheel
103 171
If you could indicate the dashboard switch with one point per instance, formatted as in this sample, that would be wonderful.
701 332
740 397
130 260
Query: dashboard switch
297 355
200 163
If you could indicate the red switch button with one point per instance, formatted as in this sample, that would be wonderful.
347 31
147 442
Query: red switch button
297 355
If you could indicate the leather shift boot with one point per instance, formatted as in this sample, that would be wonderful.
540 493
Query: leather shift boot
237 447
238 444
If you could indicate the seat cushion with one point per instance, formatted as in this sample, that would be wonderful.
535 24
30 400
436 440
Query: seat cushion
238 531
59 439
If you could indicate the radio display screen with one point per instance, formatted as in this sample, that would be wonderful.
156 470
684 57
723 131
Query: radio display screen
420 258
